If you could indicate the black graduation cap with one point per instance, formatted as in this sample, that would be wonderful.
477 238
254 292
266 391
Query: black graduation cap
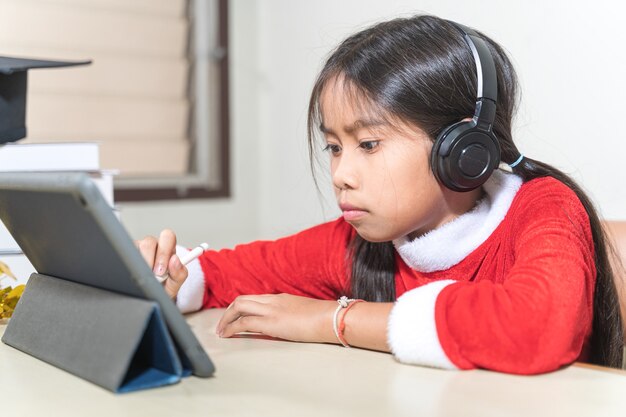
13 73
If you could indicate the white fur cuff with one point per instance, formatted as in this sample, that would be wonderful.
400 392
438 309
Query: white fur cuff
191 293
412 332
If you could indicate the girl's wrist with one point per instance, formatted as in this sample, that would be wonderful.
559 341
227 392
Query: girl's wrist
325 323
365 325
344 304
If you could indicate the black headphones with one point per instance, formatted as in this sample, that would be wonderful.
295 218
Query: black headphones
466 153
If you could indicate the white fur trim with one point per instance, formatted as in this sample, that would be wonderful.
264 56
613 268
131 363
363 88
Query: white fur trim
191 293
449 244
412 332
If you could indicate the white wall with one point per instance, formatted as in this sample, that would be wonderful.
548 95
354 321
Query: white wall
569 56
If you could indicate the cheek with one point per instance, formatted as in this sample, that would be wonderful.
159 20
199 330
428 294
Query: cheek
412 175
417 191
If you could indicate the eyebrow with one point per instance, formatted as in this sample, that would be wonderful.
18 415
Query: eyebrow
358 124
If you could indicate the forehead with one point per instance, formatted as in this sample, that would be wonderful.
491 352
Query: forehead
342 96
346 107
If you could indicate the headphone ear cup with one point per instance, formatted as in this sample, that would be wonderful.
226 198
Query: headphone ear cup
464 157
437 160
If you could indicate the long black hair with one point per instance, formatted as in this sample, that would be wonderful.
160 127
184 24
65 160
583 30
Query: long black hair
421 70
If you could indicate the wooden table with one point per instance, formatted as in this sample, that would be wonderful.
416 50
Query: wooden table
261 377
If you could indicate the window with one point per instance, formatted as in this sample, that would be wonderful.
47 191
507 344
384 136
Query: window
155 96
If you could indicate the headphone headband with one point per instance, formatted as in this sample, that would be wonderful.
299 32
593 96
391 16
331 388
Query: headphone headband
486 76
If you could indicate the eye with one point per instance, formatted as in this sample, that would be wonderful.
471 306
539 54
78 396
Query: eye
333 149
369 145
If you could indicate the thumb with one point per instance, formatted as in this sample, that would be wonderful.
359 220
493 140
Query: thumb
177 276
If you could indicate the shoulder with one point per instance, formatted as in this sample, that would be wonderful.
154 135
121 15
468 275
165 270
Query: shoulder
548 204
546 193
549 185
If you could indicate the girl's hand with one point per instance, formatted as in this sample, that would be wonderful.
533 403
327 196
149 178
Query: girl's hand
284 316
160 254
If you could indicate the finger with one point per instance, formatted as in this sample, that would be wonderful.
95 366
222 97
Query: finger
147 247
242 306
254 324
166 247
177 275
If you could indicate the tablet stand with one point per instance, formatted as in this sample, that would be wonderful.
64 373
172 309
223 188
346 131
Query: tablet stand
118 342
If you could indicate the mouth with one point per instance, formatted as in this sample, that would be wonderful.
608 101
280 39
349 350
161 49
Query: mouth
352 213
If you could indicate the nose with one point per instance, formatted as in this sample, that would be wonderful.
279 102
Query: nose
344 172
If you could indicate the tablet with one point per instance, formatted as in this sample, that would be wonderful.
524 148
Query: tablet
67 230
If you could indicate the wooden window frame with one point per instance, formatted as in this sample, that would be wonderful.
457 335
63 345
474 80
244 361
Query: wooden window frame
149 189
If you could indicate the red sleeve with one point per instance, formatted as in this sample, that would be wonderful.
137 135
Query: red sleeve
539 318
311 263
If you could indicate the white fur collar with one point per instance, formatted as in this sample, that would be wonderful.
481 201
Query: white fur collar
449 244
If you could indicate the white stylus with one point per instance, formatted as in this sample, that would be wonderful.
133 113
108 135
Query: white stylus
185 259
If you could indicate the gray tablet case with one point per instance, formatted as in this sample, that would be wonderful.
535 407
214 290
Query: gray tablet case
94 308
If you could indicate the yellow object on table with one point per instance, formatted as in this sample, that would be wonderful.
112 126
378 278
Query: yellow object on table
8 296
8 300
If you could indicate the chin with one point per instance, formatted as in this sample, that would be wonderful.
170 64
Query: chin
376 236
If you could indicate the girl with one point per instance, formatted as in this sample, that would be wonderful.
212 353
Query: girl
447 264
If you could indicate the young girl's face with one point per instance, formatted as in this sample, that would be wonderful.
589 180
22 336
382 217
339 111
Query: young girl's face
381 172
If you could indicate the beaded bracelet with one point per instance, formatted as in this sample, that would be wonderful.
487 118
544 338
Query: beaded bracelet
339 326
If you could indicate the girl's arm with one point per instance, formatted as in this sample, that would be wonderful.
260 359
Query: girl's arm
311 263
304 319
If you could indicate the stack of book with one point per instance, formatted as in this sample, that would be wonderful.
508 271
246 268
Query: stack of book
47 157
